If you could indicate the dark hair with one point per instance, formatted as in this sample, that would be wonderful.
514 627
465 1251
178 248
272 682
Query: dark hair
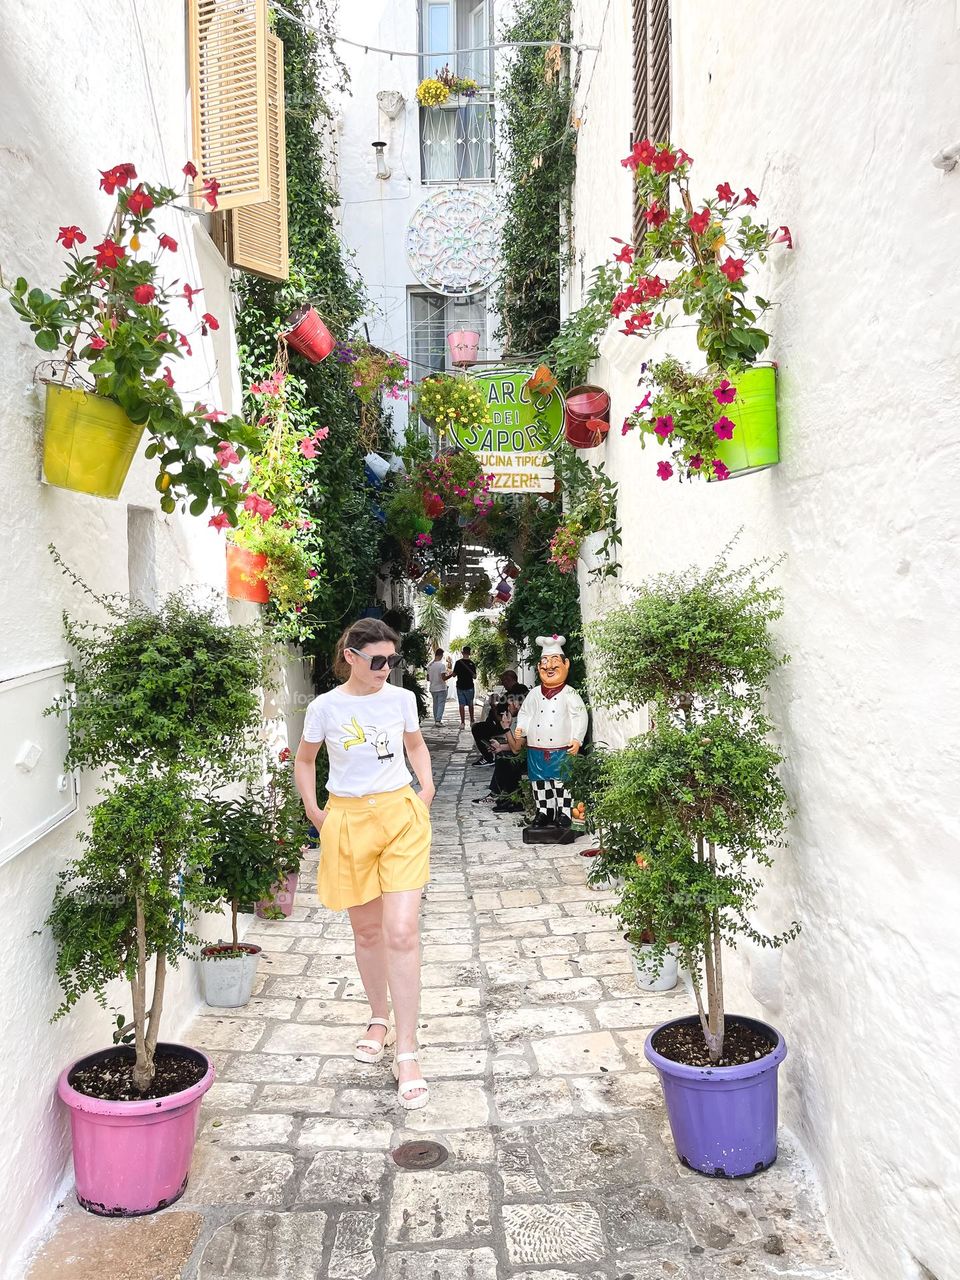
465 649
360 633
509 672
438 653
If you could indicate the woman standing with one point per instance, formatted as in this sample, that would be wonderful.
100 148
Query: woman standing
374 834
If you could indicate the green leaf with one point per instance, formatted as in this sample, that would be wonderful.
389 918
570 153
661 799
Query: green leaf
47 340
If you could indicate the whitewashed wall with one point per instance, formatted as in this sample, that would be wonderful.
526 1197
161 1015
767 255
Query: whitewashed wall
74 99
833 112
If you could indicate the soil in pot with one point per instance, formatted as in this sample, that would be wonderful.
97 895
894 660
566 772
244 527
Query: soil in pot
111 1078
742 1044
227 951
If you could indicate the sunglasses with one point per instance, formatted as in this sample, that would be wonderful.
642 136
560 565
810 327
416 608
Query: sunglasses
378 661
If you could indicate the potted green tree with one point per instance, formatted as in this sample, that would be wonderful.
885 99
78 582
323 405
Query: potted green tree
164 704
110 328
282 813
695 260
702 794
252 838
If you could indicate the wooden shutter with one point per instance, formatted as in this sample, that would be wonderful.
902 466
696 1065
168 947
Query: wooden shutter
651 81
258 232
227 52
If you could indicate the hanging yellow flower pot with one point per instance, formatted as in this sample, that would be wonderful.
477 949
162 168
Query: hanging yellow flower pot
88 442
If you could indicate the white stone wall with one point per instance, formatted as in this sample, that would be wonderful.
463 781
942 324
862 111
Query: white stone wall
833 112
74 99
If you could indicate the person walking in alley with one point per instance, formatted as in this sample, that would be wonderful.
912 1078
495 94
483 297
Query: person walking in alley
437 684
375 834
465 671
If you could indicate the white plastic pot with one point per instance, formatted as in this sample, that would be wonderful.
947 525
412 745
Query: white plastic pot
228 979
379 466
589 553
648 974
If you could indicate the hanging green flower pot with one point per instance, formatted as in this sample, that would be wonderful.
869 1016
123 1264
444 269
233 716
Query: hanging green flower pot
88 442
754 445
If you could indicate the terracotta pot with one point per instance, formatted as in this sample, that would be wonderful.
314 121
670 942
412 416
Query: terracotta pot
308 335
245 575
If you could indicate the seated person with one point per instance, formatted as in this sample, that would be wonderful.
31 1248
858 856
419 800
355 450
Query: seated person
508 768
497 704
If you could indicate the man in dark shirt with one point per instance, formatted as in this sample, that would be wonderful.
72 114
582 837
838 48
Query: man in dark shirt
513 693
465 671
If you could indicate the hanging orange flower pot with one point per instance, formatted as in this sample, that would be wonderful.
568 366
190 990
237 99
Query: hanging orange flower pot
245 575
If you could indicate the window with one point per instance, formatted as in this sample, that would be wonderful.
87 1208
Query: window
227 58
457 140
432 317
651 80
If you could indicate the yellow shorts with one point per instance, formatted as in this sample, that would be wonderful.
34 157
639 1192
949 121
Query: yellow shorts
371 845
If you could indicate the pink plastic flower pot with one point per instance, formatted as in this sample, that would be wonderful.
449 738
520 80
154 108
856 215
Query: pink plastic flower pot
283 897
464 346
309 336
131 1158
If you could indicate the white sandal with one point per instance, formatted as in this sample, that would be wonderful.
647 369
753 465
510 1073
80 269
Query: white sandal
377 1046
410 1104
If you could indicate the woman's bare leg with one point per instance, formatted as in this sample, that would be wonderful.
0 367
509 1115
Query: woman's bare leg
368 946
401 936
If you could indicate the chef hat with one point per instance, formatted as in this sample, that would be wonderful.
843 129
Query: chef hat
550 645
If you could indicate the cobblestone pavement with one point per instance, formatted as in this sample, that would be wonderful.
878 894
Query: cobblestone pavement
560 1163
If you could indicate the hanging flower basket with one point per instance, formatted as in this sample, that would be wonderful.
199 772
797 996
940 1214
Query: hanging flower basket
754 445
586 417
88 442
245 575
464 346
308 335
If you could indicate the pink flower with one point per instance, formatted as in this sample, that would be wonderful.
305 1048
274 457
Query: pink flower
784 237
226 454
696 462
733 269
726 393
644 404
220 521
190 293
313 573
215 415
663 426
664 470
720 470
423 540
308 448
259 506
723 429
144 294
321 433
167 375
69 236
97 343
627 427
167 242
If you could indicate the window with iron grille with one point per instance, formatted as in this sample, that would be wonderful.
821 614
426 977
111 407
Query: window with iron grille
651 81
457 139
432 317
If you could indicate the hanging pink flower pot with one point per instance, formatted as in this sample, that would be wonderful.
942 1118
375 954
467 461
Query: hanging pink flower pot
283 897
464 346
132 1158
308 335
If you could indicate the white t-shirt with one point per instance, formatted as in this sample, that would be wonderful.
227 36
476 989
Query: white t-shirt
435 674
364 737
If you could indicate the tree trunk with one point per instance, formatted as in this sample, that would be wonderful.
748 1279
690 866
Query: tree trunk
713 955
234 906
156 1009
143 1067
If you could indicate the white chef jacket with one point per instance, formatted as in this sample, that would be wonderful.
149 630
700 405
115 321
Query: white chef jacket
553 722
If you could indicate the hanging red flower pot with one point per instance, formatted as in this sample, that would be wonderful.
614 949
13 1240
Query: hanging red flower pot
586 433
586 417
308 335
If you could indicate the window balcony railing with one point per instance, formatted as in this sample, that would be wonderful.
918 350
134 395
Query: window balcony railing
457 140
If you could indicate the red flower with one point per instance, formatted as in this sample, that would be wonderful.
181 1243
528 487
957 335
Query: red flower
214 416
121 175
664 161
125 173
167 376
185 343
720 469
696 462
97 343
190 293
139 203
69 236
723 429
664 470
750 198
284 755
109 253
663 426
733 269
625 254
682 157
168 242
726 393
725 192
144 294
642 153
639 321
220 521
209 322
433 505
211 189
656 215
700 221
784 237
190 169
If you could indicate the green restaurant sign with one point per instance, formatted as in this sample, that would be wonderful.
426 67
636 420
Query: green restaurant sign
516 446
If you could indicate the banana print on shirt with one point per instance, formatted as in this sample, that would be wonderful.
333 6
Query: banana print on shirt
358 739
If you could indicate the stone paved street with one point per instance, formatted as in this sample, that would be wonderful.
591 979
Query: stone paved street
532 1030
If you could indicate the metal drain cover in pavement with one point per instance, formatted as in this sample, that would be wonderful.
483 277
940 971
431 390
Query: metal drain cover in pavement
420 1155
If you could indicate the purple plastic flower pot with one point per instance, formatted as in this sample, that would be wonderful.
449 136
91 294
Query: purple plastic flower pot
131 1158
723 1119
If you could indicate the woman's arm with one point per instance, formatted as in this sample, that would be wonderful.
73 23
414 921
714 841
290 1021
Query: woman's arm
305 777
418 753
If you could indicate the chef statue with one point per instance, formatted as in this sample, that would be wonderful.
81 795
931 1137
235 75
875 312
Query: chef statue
553 722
